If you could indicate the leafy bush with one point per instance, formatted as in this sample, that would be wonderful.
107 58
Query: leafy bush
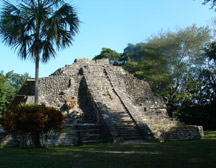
32 120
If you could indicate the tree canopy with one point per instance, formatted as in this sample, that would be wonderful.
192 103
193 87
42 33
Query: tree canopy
164 59
180 67
112 55
213 2
35 27
10 83
3 89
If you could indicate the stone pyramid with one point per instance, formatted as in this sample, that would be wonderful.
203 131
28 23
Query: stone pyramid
112 105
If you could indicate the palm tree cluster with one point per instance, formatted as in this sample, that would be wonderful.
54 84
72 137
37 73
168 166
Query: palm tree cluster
36 28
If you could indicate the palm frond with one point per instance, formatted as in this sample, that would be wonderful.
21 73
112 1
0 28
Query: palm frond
36 26
64 25
48 51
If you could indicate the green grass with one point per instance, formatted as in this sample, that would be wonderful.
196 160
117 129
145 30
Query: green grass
151 154
210 135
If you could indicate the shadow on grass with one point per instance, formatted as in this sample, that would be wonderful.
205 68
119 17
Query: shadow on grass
177 154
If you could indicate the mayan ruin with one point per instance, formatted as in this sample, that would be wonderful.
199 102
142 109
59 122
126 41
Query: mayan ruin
102 103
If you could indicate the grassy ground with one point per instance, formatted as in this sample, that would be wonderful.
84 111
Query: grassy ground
173 154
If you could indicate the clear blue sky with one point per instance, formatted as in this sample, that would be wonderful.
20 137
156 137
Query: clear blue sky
113 24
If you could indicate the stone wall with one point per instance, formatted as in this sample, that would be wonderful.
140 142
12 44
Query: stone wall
54 87
58 138
180 133
139 91
87 61
83 133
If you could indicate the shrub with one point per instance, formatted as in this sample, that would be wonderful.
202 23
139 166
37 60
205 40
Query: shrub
32 120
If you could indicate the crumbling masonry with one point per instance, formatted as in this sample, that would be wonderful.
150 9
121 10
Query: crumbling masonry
113 105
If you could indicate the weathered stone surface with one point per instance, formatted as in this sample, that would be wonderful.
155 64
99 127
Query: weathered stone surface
123 106
9 139
180 133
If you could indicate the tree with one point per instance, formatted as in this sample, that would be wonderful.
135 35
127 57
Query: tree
147 63
16 80
213 3
32 120
169 61
34 27
14 83
10 84
209 77
112 55
3 89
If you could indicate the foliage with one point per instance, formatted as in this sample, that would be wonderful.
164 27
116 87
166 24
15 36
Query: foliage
32 27
146 63
180 67
200 106
32 119
3 89
16 80
35 27
213 2
10 84
170 62
112 55
14 83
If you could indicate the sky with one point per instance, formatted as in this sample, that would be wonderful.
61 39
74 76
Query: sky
113 24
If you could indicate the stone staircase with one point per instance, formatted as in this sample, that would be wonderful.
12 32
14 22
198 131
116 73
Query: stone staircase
125 126
87 129
90 133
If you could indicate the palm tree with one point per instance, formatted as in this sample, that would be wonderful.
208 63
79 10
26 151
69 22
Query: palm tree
36 27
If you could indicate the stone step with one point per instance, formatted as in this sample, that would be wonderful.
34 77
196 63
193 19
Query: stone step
121 115
118 112
127 128
67 125
92 141
125 125
89 129
128 131
94 131
122 112
88 125
87 121
86 136
133 137
124 122
130 134
121 119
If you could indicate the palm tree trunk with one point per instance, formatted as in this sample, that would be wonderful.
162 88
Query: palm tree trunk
36 78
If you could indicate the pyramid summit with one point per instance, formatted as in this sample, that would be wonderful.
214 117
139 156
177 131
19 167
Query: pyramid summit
104 103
